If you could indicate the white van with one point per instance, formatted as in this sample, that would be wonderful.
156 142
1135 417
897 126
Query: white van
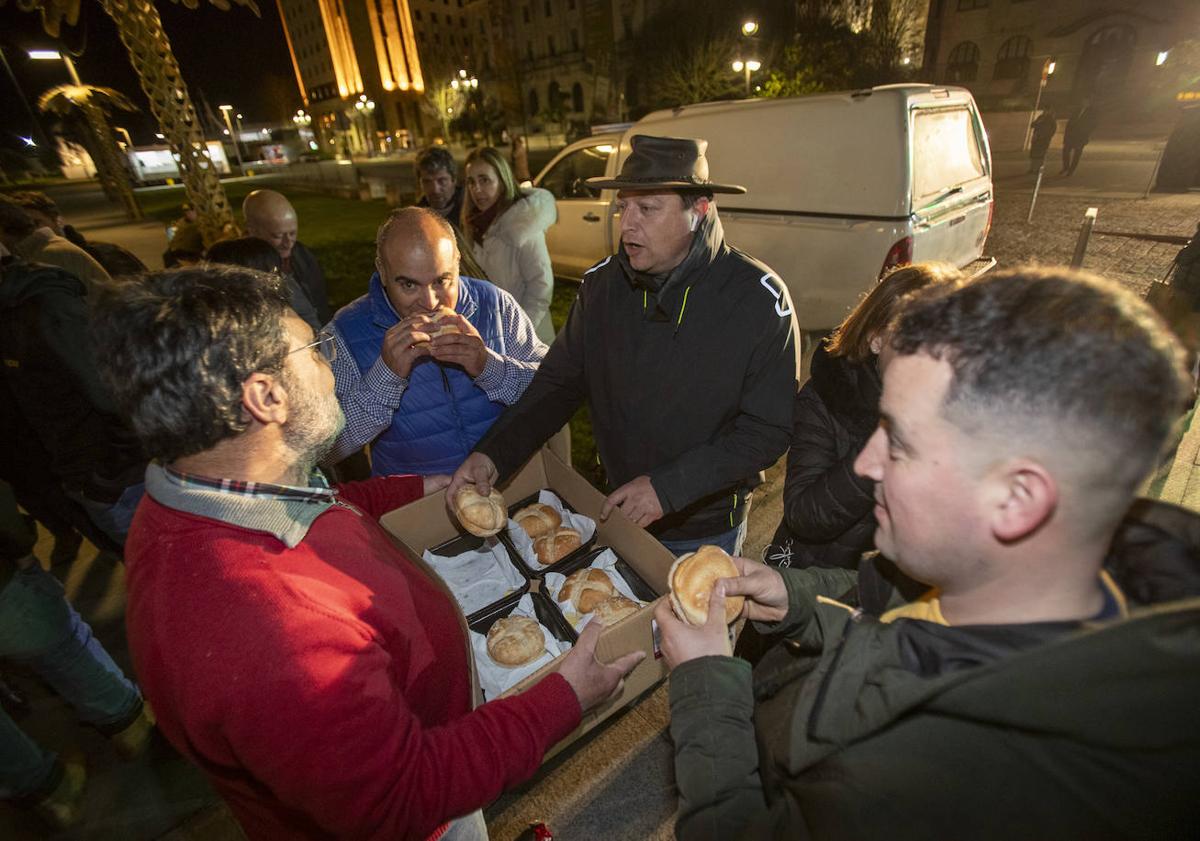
840 187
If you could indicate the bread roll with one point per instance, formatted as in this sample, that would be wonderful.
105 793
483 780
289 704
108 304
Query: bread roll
586 588
692 579
538 519
445 320
515 640
556 545
481 516
615 608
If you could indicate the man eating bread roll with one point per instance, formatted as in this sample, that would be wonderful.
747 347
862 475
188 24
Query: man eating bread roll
427 359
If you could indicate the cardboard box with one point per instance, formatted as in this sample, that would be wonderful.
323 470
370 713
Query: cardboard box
427 523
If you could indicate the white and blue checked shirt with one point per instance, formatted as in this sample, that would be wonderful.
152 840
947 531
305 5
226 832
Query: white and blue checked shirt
370 401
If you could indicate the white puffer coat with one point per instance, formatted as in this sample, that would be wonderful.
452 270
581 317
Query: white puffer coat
515 258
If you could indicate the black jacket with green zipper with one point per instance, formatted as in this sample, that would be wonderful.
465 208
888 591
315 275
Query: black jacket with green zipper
689 378
914 730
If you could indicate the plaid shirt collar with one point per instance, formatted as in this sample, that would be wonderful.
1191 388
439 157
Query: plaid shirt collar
318 489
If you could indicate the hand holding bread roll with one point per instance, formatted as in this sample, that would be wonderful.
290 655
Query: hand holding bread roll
692 579
482 516
443 322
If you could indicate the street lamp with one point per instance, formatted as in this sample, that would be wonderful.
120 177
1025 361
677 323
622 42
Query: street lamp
237 150
366 107
55 55
1161 59
748 66
301 118
1047 71
749 28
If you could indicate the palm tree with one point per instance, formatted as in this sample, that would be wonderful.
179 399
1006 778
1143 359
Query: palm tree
92 102
141 31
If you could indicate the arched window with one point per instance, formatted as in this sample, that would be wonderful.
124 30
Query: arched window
533 103
577 97
962 65
1012 62
553 97
1104 64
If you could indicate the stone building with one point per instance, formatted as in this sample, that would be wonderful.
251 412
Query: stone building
1110 52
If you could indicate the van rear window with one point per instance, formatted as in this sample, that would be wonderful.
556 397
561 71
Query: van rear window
945 152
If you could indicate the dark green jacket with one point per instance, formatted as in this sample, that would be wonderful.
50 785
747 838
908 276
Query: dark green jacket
912 730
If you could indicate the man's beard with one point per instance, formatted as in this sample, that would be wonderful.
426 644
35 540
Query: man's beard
314 423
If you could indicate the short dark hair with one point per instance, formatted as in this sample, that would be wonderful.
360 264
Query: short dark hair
176 346
250 252
432 158
14 221
1054 348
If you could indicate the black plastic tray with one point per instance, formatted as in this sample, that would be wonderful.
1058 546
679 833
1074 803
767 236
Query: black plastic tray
545 610
538 573
455 546
639 587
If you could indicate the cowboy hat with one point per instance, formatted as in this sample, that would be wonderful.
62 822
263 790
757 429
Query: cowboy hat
664 163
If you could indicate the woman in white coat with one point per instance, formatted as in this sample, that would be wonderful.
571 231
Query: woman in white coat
505 228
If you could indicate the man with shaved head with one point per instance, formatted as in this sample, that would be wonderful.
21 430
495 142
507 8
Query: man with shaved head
426 400
271 217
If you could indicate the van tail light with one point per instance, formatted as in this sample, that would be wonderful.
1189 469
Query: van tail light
899 254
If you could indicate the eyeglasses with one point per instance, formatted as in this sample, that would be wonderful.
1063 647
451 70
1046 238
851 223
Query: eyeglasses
325 345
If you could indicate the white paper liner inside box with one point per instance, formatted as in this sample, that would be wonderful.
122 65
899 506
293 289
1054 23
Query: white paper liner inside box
586 527
606 561
478 578
495 679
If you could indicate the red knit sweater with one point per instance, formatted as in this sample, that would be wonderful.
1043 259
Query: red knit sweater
324 689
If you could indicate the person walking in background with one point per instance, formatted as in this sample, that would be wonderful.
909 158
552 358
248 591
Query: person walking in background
271 217
1044 128
255 253
1077 134
40 630
827 508
505 228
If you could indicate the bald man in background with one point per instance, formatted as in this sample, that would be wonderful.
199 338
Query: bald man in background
271 217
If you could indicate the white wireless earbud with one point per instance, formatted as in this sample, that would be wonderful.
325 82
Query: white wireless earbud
695 221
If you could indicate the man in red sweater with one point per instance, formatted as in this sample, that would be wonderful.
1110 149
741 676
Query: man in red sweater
318 673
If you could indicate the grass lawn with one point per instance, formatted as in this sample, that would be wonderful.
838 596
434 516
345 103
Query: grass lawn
342 233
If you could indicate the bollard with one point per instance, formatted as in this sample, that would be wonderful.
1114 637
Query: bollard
1085 233
1037 186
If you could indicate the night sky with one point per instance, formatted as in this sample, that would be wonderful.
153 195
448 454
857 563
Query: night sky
231 57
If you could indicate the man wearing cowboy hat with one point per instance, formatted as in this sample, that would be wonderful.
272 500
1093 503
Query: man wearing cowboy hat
685 350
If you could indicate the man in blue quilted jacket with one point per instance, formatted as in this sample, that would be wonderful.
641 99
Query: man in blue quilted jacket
423 402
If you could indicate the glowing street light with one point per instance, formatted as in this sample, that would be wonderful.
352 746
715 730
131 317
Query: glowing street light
748 66
749 28
237 149
28 141
1161 58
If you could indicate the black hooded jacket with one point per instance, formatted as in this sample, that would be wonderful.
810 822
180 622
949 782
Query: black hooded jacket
49 375
689 379
828 515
